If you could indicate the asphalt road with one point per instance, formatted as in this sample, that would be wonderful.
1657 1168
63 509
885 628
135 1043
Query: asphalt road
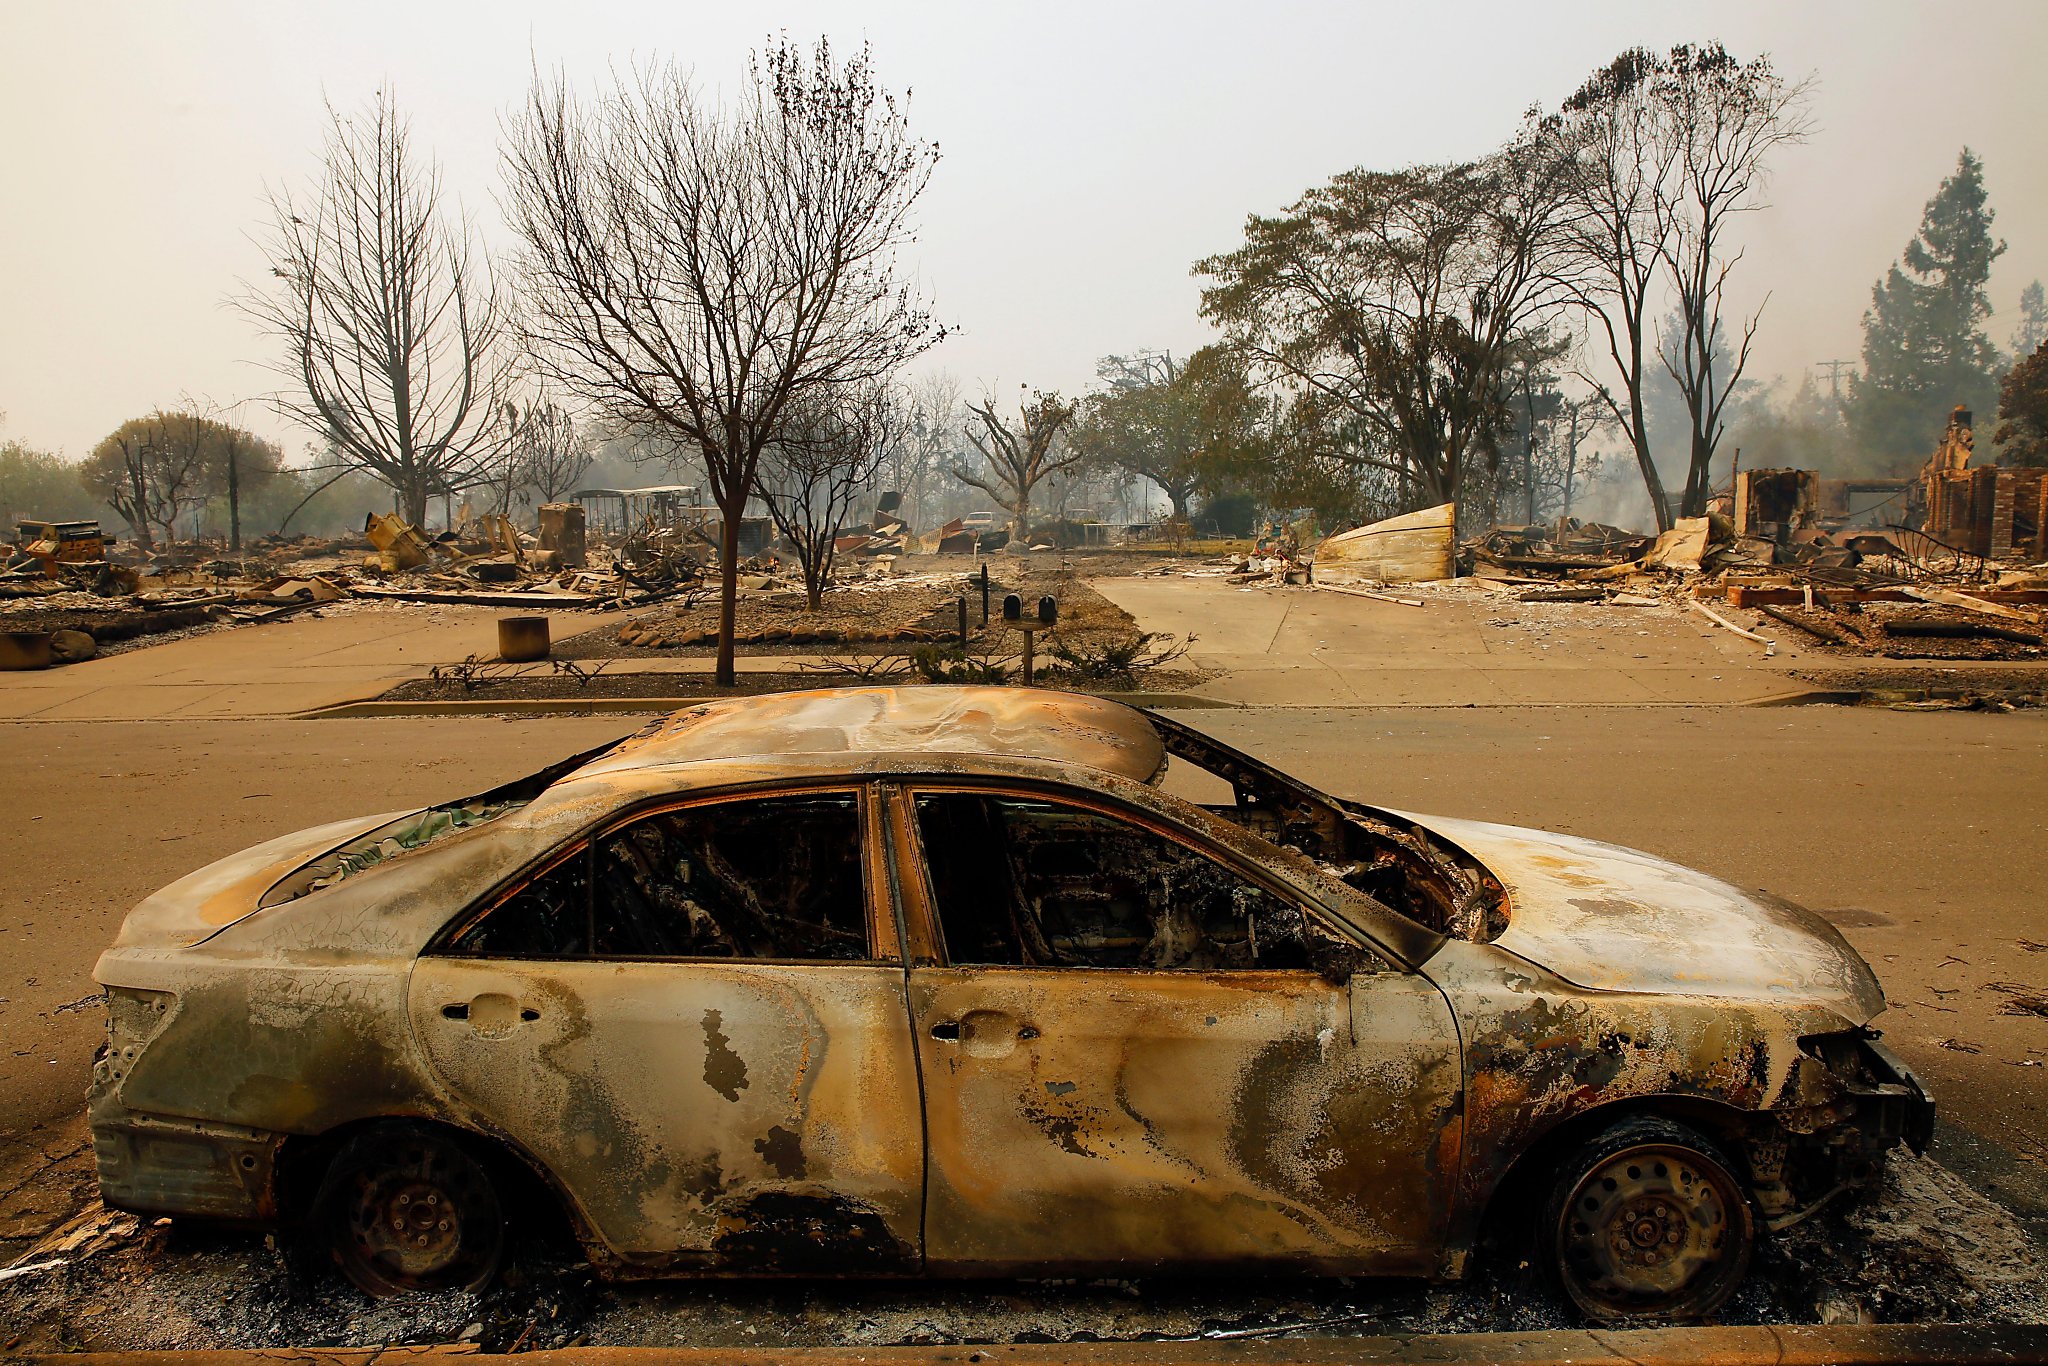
1919 833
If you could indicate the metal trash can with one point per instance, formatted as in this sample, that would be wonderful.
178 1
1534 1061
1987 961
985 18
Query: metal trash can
521 640
25 650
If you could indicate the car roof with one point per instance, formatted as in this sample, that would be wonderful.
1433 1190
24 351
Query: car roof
944 722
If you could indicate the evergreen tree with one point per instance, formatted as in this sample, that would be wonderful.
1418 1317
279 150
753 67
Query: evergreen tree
2033 328
2023 411
1924 346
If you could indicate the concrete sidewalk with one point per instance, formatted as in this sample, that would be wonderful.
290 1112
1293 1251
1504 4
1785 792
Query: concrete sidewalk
1468 646
281 668
1263 646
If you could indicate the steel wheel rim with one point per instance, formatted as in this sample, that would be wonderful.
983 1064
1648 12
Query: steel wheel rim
1653 1230
417 1215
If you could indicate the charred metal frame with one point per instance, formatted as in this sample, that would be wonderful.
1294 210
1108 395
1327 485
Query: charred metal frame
284 1035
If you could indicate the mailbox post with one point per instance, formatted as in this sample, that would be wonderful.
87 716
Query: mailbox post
1048 617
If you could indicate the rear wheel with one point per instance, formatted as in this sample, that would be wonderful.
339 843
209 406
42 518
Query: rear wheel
1648 1221
404 1208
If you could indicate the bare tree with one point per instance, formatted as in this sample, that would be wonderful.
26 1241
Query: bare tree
553 452
1620 161
820 462
1663 151
393 325
1015 460
152 470
1726 117
702 270
931 434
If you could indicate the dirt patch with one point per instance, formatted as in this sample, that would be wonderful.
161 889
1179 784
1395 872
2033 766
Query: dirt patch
1926 1248
528 683
108 625
901 629
873 614
1899 630
853 672
1935 687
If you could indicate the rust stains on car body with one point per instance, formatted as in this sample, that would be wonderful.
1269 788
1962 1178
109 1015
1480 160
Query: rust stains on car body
1468 994
1067 728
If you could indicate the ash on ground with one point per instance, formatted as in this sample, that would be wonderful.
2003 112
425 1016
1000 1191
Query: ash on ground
1924 1248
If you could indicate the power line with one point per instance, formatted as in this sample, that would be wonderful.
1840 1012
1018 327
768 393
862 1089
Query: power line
1834 369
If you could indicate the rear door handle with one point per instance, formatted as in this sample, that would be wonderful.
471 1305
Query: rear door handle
947 1030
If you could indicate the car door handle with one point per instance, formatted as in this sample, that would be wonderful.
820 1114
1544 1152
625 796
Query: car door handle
947 1031
459 1010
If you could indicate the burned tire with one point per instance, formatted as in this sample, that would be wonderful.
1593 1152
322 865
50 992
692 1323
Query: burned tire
1648 1221
403 1208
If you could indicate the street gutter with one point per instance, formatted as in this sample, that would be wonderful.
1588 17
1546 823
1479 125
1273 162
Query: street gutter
1815 1345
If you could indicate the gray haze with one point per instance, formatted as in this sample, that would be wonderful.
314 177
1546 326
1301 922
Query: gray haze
1092 152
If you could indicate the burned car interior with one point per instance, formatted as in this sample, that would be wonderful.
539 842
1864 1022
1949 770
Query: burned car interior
1028 883
776 877
1401 866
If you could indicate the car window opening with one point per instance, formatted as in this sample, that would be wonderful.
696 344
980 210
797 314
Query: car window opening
769 878
1026 883
1396 863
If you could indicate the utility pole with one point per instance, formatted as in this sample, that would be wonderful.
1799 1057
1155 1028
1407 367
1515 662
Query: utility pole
1834 369
234 492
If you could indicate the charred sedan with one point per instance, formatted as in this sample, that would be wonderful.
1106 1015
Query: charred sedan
941 980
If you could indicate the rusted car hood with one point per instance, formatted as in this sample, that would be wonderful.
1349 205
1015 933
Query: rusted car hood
200 904
1617 919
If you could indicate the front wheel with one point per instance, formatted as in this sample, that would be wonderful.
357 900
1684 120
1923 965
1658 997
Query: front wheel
404 1208
1649 1222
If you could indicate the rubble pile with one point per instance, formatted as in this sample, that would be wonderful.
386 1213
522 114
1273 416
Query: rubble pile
67 590
1889 592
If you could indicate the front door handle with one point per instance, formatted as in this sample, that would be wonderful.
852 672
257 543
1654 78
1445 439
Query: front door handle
947 1031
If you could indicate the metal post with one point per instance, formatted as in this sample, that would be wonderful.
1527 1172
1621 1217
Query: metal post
984 592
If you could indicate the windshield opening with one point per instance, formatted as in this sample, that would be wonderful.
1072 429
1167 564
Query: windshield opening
1395 862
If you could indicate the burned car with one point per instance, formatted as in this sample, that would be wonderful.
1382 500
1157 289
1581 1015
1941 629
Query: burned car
944 981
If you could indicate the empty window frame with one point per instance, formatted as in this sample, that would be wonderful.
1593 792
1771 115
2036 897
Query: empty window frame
778 877
1025 882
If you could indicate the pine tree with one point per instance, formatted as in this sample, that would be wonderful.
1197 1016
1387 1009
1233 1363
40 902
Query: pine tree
1924 345
2033 328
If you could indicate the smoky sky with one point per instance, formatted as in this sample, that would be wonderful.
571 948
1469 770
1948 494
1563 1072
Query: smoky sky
1091 153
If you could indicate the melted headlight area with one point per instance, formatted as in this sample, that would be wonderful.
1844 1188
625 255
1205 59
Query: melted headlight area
1850 1100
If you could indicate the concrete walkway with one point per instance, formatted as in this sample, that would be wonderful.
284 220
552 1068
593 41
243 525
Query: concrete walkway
281 668
1468 646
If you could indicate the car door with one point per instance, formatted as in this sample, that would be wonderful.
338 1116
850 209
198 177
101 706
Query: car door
695 1020
1138 1053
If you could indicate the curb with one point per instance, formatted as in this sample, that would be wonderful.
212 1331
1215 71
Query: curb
556 706
1823 1345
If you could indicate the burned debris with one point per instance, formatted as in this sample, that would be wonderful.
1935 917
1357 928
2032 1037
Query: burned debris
1949 564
